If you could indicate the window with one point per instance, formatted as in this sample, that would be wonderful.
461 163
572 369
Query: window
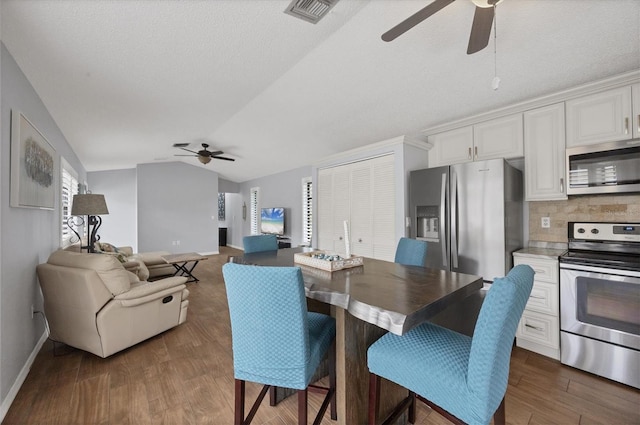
255 210
69 187
307 214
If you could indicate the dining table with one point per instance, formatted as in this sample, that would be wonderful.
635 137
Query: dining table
366 302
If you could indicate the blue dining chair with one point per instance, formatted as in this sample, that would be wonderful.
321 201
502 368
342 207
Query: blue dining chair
276 341
411 252
462 378
259 243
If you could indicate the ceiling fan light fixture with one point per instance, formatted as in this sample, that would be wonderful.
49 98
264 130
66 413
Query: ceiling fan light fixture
485 3
204 159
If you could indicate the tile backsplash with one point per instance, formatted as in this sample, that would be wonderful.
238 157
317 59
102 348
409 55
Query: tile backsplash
620 208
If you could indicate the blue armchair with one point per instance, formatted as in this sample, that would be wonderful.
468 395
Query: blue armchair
259 243
276 341
411 252
462 378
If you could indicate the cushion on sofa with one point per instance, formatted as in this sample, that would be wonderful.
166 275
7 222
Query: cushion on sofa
110 270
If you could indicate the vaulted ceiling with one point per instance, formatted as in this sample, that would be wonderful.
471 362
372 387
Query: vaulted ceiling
125 80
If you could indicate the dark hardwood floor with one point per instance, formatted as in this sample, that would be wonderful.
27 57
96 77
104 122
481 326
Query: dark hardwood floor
185 376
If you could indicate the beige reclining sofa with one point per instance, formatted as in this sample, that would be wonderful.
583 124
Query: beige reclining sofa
92 303
147 265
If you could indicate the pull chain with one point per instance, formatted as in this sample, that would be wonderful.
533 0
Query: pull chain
496 80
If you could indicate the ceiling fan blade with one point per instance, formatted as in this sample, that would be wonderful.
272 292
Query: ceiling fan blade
224 158
415 19
481 29
184 155
188 150
216 153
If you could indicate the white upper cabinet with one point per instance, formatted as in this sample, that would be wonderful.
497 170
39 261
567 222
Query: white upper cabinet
601 117
497 138
636 110
544 153
451 147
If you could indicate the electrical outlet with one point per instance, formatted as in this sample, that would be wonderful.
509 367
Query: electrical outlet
545 222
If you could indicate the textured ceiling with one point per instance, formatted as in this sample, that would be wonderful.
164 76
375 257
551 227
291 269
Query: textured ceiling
126 79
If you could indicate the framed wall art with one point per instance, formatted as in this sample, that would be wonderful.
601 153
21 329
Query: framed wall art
34 166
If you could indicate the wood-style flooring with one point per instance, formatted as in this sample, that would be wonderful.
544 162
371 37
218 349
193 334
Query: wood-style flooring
185 376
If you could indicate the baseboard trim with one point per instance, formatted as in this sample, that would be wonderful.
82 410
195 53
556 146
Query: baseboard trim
236 247
22 376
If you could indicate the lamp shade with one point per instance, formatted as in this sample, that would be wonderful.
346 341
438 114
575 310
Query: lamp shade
89 204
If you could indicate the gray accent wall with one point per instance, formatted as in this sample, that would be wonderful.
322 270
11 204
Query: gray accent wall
119 187
278 190
177 203
28 235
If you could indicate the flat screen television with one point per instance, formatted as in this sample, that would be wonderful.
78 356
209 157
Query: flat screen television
272 221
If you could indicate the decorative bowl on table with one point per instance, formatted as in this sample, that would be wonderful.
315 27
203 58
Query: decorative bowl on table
327 261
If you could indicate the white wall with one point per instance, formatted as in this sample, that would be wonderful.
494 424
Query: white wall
119 187
177 202
28 235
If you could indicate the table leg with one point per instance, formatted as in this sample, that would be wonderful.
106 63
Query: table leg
353 338
185 271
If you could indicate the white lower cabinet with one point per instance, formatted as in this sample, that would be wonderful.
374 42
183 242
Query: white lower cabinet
539 328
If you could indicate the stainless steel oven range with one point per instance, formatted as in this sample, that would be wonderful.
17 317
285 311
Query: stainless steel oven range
600 300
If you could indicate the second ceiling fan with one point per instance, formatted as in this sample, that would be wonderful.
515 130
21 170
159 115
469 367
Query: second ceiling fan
480 30
204 155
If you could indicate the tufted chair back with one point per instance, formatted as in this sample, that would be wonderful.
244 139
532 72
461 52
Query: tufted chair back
411 252
259 243
488 370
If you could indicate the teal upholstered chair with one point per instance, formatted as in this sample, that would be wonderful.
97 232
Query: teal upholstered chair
462 378
259 243
411 252
276 342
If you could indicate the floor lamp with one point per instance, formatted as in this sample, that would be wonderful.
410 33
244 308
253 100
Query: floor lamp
92 206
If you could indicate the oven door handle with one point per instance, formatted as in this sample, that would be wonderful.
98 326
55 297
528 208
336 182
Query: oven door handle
597 269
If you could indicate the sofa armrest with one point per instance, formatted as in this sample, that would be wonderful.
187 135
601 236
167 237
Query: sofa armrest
144 292
126 250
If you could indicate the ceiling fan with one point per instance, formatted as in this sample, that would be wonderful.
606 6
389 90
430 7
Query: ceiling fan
480 30
204 155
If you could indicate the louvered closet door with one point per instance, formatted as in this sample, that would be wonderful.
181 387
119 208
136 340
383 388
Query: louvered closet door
324 195
364 194
341 206
383 208
361 209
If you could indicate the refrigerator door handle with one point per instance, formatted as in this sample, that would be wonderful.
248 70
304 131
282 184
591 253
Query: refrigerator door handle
454 220
443 220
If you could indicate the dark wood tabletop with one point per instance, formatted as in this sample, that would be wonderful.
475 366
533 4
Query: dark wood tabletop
392 296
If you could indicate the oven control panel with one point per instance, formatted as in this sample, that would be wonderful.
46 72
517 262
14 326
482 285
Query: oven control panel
629 232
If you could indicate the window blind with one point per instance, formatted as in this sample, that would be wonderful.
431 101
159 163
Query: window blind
254 200
69 187
307 214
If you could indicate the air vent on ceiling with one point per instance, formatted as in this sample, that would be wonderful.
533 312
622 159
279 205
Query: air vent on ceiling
310 10
180 145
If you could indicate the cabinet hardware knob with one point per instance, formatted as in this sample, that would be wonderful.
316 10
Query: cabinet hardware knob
536 297
469 154
340 238
639 123
562 185
475 151
538 271
626 125
359 240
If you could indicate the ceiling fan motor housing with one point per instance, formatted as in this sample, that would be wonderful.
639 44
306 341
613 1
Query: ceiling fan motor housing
485 3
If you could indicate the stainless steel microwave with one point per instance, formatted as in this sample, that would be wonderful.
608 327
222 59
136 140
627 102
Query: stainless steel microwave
605 168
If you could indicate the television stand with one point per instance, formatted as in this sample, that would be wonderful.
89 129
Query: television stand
284 242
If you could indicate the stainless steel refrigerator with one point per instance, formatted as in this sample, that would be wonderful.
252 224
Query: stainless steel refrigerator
470 215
